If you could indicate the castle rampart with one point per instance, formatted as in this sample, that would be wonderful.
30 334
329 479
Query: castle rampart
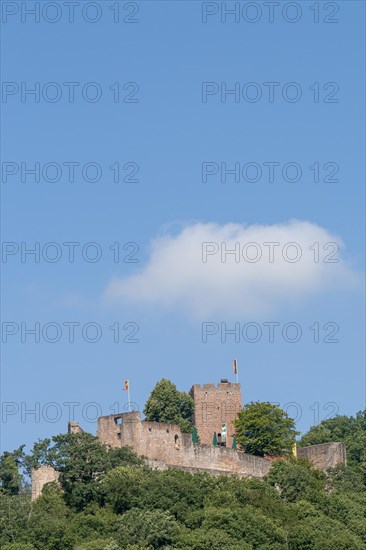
166 444
324 456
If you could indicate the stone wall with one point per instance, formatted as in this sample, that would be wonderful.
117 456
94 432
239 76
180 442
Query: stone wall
109 429
41 476
164 444
74 428
215 406
160 465
326 455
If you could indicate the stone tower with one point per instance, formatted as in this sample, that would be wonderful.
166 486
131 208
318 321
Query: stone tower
216 409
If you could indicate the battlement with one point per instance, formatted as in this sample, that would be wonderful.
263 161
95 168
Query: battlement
221 385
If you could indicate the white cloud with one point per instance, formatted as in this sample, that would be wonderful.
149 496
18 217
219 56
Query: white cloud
184 273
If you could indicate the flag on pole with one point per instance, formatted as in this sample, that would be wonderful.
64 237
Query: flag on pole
126 387
235 367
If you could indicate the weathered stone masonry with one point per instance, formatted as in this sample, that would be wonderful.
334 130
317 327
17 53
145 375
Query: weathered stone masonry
324 456
215 406
41 476
163 445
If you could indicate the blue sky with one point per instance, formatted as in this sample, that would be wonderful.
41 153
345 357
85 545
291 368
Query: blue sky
169 212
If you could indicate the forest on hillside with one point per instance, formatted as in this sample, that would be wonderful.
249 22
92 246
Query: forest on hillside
110 500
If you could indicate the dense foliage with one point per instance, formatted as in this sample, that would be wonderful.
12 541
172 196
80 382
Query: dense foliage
109 500
167 404
264 429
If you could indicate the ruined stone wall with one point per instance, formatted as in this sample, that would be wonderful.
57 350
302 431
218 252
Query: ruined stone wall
215 406
224 460
165 445
160 465
326 455
74 428
216 461
117 430
131 431
41 476
161 441
109 430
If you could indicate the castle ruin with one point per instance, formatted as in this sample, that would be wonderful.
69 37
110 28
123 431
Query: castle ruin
164 445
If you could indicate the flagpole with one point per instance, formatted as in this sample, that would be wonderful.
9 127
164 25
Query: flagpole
127 387
129 397
236 370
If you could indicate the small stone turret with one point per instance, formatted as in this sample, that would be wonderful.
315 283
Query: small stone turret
41 476
74 428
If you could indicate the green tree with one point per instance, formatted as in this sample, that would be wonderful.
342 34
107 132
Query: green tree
121 487
214 539
295 479
93 523
322 533
14 514
175 491
147 529
264 429
82 461
245 524
11 480
49 521
346 479
167 404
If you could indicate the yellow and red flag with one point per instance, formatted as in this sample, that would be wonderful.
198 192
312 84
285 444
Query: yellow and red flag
126 385
235 367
